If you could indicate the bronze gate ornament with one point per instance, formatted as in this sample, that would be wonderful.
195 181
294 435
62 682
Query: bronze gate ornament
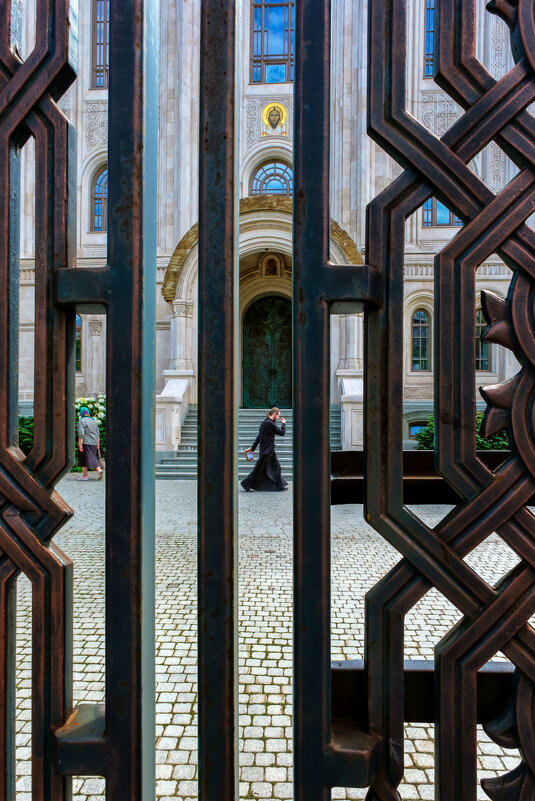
494 618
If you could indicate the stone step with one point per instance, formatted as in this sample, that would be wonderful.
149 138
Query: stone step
183 465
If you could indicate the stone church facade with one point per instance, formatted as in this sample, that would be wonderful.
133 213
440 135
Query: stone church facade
359 169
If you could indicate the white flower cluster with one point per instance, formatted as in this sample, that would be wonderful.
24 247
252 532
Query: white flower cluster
96 406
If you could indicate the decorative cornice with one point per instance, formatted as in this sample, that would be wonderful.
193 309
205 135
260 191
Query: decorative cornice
268 204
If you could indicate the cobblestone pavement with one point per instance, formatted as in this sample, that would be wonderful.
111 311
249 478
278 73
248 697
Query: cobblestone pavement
360 558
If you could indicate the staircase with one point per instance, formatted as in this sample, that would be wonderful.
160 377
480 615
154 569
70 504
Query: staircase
184 464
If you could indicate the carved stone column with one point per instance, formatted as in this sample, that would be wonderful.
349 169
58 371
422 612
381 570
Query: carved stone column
350 380
95 367
180 340
351 342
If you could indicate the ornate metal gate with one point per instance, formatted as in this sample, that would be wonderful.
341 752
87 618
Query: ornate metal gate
349 720
115 741
364 746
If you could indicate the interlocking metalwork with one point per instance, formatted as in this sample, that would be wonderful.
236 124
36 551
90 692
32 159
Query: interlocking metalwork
494 618
115 740
360 742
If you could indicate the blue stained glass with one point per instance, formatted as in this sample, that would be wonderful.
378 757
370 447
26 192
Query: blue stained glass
275 73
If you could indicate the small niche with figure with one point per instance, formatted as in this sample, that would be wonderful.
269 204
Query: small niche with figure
271 265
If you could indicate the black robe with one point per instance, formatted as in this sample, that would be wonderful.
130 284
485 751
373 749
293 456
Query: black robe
266 474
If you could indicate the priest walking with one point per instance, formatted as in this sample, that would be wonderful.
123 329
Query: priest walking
266 475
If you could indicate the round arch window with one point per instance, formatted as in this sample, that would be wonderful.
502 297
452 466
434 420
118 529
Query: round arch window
272 178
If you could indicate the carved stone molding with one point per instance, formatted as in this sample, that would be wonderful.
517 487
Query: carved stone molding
499 45
439 111
95 328
94 253
418 271
423 392
96 124
182 308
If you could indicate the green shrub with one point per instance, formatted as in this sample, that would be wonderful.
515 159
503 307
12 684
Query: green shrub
25 434
425 438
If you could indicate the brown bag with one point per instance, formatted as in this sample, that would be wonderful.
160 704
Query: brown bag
101 461
248 453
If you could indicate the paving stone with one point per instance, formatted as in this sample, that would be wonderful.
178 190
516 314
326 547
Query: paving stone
360 557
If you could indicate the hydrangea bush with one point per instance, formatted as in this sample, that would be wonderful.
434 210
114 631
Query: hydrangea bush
97 409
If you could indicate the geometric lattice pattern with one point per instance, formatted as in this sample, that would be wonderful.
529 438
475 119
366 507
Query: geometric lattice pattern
30 511
494 618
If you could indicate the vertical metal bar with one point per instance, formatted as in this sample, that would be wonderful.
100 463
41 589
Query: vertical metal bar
217 485
311 401
130 398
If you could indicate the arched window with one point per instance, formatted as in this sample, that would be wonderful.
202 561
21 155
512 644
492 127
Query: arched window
429 38
99 200
101 44
420 341
272 41
78 351
483 360
273 178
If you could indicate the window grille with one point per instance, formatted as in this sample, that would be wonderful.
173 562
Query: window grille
272 41
78 351
429 38
436 214
483 359
101 43
273 178
420 341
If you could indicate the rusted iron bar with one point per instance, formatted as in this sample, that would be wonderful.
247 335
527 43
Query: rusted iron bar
324 754
132 149
311 503
349 691
117 740
421 480
217 483
30 514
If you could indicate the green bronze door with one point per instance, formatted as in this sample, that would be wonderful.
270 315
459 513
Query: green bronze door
267 354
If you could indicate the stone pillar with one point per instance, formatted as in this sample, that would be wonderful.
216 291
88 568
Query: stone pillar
351 342
172 403
95 364
180 335
350 381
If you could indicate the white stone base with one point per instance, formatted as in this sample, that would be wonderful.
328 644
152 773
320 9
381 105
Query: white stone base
171 407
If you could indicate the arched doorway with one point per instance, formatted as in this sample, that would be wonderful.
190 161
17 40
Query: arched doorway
267 354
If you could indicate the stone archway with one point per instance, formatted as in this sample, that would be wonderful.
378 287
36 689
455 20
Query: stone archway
265 227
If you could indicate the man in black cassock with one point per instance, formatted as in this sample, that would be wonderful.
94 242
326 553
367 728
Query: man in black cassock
266 475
